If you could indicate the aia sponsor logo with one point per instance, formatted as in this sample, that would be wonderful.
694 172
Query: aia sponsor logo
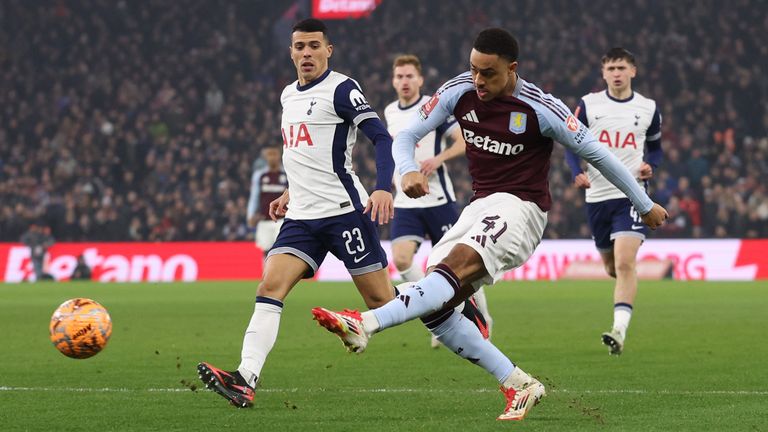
617 141
296 135
427 108
572 124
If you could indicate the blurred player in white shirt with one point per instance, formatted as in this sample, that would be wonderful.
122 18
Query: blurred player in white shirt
435 213
629 125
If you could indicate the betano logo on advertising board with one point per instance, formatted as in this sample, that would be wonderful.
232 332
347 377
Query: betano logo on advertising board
730 259
140 262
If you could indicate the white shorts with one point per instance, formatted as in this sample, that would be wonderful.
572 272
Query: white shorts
502 228
266 233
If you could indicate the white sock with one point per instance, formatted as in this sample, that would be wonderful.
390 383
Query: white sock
517 379
482 304
260 337
428 295
370 323
622 313
463 338
414 273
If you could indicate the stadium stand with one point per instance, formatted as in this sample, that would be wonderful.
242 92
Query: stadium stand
125 120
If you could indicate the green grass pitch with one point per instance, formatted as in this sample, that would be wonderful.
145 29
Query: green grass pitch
695 360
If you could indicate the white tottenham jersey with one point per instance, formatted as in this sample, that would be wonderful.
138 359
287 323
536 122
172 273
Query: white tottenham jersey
319 128
440 185
622 126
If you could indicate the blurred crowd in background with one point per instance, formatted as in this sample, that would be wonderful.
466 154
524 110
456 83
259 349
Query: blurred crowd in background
141 120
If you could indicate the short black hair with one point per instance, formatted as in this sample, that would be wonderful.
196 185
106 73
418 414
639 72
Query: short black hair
497 41
618 53
310 25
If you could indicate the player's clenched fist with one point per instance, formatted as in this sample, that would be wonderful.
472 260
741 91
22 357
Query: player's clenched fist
655 217
415 184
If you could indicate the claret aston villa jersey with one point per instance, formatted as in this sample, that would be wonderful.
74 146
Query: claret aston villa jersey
509 140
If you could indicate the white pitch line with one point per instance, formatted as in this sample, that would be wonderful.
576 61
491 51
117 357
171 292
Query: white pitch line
386 390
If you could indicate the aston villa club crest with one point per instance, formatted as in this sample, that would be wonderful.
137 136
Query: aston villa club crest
517 122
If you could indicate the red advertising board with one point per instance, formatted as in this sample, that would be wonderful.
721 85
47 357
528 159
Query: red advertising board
135 262
343 9
727 259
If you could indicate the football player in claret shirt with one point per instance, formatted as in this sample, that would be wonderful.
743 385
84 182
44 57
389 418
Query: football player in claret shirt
629 125
435 213
509 126
267 185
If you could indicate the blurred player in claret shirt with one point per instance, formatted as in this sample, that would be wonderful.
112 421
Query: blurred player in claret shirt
267 185
509 126
435 213
629 125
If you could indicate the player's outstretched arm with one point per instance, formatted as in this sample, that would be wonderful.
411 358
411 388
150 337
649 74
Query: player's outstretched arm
580 179
278 207
613 170
577 138
609 165
431 115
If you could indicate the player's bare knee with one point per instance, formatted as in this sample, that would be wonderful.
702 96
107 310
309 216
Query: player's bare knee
624 268
375 300
402 263
272 289
457 259
465 262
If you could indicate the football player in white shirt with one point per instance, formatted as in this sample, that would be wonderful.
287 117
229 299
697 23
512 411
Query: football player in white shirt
326 208
435 213
629 125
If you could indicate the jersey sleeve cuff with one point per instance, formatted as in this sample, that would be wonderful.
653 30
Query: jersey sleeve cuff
364 116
